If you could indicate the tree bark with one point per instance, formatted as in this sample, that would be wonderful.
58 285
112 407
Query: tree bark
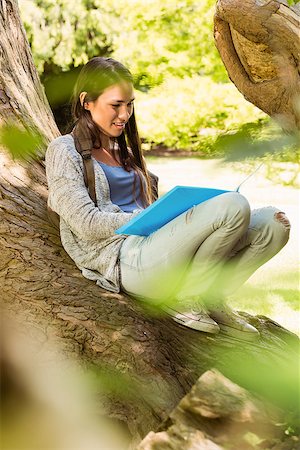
259 44
22 98
218 414
156 360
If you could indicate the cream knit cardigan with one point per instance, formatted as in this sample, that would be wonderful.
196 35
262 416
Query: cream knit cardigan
86 231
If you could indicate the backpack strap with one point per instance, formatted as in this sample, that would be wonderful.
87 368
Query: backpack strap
84 145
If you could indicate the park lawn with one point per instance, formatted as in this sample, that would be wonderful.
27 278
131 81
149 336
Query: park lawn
275 294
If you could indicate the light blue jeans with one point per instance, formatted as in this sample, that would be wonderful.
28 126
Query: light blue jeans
208 251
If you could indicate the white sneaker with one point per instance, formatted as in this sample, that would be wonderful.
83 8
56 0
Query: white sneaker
232 324
196 318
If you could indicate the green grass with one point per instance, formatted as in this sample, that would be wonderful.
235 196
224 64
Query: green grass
276 296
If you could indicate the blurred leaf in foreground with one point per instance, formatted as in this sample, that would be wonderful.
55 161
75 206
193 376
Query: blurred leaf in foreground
254 141
22 144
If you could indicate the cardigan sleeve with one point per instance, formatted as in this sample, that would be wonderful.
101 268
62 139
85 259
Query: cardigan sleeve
69 198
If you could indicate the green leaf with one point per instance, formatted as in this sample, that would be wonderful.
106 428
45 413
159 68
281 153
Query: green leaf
21 143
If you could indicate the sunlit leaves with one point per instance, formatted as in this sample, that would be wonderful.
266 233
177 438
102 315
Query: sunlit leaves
155 39
189 113
252 140
65 33
163 38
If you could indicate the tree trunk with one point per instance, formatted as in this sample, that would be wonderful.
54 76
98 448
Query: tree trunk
22 98
41 287
259 44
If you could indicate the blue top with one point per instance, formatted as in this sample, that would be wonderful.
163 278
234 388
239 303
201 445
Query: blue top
121 184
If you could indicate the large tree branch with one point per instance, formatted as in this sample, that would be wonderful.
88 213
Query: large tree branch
260 46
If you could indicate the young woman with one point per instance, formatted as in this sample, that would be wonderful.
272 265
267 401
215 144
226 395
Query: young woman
190 265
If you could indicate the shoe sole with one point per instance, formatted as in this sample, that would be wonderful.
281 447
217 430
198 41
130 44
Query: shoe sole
239 334
197 326
193 324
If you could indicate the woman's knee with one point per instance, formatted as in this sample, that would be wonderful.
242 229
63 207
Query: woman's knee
236 206
272 224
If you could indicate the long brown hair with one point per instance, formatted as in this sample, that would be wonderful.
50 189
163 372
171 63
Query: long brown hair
97 75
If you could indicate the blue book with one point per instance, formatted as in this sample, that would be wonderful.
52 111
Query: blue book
167 207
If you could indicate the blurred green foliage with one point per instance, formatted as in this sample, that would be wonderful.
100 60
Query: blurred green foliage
155 39
166 38
23 144
190 113
65 33
263 140
259 139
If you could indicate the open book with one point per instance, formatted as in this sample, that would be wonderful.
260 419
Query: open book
170 205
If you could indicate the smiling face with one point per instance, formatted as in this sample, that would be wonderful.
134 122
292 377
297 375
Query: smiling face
112 109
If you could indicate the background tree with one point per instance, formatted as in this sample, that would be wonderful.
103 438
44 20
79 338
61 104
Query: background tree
261 54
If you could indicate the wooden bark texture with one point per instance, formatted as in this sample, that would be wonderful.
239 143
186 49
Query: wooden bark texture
156 360
259 43
216 415
22 97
